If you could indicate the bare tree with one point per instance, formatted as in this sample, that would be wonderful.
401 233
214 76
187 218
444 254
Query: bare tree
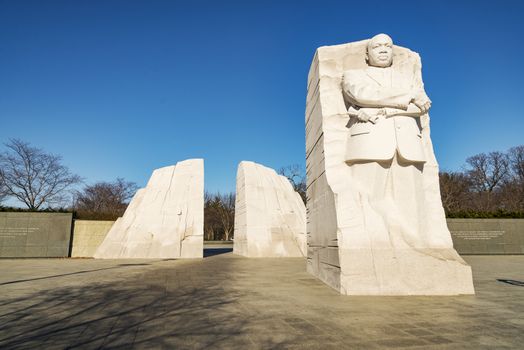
511 196
512 192
34 177
454 190
219 216
297 176
516 161
226 213
105 199
3 191
487 171
211 220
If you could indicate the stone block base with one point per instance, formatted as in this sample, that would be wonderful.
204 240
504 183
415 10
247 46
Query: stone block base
404 272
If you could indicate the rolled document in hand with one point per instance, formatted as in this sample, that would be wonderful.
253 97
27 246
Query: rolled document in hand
412 111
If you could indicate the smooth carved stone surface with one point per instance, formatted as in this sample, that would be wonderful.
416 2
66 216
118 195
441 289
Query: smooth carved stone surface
270 217
164 220
376 225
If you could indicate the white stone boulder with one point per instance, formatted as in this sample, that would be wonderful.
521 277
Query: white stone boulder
270 217
376 225
163 220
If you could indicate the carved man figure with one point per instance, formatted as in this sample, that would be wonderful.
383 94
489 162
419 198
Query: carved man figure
385 148
386 105
375 222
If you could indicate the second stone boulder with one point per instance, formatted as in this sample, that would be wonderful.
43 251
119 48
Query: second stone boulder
164 220
270 217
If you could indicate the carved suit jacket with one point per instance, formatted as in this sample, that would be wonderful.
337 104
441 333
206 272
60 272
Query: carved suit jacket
391 89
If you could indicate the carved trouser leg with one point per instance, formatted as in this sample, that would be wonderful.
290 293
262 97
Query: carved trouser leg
391 201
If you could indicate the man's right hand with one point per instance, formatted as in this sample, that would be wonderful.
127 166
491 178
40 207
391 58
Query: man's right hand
365 115
422 101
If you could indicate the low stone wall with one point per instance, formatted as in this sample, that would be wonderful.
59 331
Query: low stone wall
87 236
48 235
487 236
35 235
470 236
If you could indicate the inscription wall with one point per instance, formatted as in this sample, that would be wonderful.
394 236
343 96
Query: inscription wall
35 235
487 236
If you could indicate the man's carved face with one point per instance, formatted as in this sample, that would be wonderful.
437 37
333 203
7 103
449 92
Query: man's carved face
380 51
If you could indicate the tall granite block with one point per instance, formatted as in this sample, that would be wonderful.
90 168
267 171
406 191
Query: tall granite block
375 220
270 217
164 220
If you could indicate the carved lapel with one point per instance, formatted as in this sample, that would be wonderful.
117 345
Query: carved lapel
374 74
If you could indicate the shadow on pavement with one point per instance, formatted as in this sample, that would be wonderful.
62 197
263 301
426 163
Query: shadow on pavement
512 282
163 308
70 274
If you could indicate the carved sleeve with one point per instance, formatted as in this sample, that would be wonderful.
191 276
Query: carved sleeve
367 94
418 85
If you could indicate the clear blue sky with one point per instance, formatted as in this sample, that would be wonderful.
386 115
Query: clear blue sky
119 88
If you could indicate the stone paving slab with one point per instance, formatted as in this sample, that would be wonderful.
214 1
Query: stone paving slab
228 302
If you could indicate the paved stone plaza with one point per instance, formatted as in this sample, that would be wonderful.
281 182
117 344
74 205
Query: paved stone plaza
230 302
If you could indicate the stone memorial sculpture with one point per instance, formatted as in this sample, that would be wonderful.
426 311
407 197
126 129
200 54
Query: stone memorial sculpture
270 217
376 225
163 220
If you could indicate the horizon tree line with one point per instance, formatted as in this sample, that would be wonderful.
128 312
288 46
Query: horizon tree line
489 184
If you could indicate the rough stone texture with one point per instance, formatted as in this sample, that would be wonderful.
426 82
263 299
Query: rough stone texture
35 235
342 247
87 236
487 236
270 217
164 220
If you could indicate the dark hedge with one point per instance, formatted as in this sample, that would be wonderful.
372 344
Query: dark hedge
499 214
